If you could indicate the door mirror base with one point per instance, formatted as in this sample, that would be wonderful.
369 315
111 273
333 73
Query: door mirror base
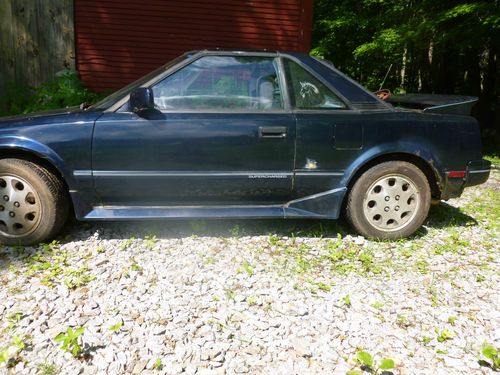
141 99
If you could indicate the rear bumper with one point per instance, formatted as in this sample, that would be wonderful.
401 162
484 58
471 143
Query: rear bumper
476 173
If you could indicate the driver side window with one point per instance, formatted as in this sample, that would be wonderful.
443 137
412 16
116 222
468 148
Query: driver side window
222 82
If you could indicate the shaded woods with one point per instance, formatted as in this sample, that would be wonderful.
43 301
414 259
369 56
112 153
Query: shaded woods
442 47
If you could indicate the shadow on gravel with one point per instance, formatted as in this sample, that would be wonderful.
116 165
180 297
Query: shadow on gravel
444 215
175 228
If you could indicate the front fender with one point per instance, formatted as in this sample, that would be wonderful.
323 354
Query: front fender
30 146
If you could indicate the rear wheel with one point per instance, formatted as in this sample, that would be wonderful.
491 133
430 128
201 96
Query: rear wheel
389 201
33 203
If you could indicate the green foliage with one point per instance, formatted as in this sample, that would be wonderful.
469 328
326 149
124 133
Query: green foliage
150 242
115 327
347 300
248 268
53 265
367 363
365 358
46 368
492 354
10 353
444 335
158 365
70 341
446 47
386 364
65 91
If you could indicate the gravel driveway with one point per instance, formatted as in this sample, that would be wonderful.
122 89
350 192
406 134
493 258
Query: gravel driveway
259 297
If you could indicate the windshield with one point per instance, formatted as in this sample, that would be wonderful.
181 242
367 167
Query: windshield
108 101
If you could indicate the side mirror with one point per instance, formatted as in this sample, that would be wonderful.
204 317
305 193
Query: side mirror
141 99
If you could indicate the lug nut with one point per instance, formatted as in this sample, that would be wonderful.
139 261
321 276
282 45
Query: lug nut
397 197
396 208
6 198
12 214
2 208
16 204
386 209
387 199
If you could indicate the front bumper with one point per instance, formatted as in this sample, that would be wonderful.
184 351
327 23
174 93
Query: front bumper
476 173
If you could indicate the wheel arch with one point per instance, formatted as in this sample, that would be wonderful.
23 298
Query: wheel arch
426 166
48 160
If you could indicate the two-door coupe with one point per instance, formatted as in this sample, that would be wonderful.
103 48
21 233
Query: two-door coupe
219 134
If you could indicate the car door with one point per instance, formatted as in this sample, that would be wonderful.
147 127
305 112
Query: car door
329 133
220 134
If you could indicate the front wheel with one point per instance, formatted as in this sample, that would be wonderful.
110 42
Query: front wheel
389 201
33 203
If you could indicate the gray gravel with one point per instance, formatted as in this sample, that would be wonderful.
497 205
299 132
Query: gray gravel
233 297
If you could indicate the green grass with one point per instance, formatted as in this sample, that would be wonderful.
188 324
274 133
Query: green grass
495 159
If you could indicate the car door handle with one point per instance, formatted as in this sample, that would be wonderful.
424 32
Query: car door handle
272 132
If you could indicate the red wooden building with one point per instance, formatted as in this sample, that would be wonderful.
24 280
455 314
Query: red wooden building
117 41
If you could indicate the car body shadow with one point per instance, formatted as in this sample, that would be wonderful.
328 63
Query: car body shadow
444 215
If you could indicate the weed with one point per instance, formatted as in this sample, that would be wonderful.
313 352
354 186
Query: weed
433 294
47 368
347 300
274 240
15 317
367 363
77 277
452 320
52 265
230 294
209 260
377 305
251 300
492 354
115 327
157 365
322 286
10 354
422 266
135 266
444 335
248 268
70 341
237 231
402 321
426 340
150 242
126 244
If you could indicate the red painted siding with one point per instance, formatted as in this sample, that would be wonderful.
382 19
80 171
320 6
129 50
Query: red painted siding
118 41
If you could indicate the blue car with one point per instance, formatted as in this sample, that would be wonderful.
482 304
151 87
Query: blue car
226 134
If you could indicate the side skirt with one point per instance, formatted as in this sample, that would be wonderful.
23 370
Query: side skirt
325 205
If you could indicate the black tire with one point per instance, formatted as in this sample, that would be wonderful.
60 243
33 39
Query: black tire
389 201
34 203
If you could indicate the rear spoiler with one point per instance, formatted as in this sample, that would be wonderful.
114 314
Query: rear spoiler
433 103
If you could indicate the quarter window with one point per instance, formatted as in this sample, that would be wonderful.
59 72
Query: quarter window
307 92
220 83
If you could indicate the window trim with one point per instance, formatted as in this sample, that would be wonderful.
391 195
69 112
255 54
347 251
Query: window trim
279 71
348 106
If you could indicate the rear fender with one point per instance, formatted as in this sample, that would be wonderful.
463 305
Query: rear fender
423 151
